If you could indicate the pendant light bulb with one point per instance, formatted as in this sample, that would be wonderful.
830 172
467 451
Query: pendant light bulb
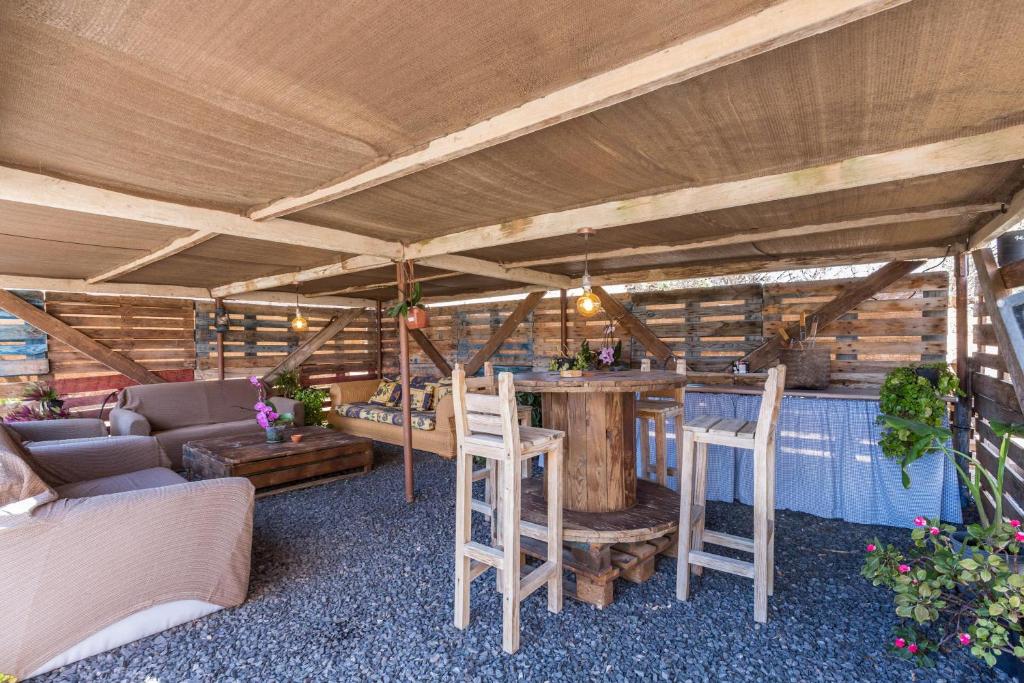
299 322
587 305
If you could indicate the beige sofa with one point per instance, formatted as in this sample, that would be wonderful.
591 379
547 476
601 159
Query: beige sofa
440 439
176 412
102 544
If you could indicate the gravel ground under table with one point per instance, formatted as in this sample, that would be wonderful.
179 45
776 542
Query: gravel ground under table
350 583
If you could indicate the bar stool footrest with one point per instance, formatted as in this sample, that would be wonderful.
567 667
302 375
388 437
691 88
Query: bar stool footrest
722 563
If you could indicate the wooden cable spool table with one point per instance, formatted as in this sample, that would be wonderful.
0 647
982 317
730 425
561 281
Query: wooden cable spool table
613 524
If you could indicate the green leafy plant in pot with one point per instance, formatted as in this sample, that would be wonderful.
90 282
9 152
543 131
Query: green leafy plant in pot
950 592
311 398
910 393
414 312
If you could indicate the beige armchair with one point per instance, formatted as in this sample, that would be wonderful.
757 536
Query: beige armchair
102 544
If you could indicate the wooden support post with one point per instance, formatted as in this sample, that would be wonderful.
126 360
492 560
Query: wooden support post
380 340
432 353
311 345
403 366
513 321
994 291
563 314
218 304
962 412
637 328
828 313
61 331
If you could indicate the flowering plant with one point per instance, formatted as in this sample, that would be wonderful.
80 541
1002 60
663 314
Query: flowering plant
40 401
267 415
951 592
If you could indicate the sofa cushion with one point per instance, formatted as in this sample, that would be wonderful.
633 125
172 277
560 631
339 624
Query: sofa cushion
21 489
421 400
173 439
423 420
151 478
183 404
388 393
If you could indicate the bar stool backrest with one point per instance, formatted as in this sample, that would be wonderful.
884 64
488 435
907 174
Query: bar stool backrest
480 413
771 404
487 384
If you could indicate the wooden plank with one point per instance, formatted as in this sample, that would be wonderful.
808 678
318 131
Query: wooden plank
863 289
18 368
994 294
1005 220
636 328
1013 275
765 30
956 154
355 264
304 352
466 264
428 348
78 340
175 247
515 318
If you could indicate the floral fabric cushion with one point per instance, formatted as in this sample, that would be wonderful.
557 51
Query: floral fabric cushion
422 420
441 389
421 399
388 393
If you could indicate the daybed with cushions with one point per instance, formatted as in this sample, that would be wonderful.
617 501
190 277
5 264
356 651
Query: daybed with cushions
101 544
176 412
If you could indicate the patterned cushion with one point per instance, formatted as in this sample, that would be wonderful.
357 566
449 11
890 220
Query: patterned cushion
421 399
388 393
440 391
423 420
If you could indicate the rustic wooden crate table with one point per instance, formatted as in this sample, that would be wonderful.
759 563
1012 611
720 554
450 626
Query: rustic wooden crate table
321 452
614 526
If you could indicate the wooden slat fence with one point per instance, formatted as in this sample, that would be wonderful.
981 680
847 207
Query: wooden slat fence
22 347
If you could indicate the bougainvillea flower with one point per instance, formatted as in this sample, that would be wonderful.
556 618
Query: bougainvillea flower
870 548
1015 523
912 648
920 521
965 638
904 568
900 643
934 531
1019 536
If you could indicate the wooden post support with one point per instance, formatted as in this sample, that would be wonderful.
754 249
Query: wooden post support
962 412
513 321
637 328
61 331
994 291
433 354
218 304
830 312
403 366
311 345
563 315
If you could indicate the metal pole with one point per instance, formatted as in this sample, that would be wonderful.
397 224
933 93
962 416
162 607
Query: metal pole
962 411
380 341
403 348
218 304
564 316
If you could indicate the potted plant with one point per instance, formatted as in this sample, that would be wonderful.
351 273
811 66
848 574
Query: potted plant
268 417
948 592
906 394
39 401
312 399
414 312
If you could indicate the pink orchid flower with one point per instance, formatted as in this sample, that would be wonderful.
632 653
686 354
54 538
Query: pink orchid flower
920 521
254 380
965 638
871 547
260 406
934 531
900 643
912 648
904 568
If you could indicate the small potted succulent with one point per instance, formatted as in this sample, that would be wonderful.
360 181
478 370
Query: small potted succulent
414 312
268 417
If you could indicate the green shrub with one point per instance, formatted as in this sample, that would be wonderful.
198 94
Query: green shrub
906 395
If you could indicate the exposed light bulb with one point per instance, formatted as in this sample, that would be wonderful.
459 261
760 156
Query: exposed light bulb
299 323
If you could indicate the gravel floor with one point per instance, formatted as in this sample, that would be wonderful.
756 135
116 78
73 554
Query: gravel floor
350 583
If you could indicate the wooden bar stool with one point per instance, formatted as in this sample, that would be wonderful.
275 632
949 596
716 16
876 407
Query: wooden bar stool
659 407
758 436
486 427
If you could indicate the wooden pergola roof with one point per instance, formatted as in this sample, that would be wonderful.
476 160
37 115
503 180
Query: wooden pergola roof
236 147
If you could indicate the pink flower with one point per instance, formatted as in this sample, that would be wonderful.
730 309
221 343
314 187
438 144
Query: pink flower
261 419
260 406
870 548
254 380
607 355
904 568
934 531
912 648
920 521
965 638
1015 523
1019 535
900 643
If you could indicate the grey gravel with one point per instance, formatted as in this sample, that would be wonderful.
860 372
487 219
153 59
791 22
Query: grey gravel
350 583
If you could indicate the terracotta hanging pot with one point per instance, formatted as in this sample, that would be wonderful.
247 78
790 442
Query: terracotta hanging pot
417 318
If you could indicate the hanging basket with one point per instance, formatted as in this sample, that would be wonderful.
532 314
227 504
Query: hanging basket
807 368
417 318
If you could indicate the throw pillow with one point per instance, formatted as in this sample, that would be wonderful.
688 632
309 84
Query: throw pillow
388 393
422 399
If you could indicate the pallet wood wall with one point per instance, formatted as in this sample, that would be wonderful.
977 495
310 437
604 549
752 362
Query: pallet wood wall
22 347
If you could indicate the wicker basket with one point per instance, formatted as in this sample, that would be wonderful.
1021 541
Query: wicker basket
806 368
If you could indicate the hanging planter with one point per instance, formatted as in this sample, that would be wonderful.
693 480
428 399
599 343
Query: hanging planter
415 313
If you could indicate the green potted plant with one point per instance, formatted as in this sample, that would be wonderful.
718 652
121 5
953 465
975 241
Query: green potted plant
950 591
39 401
414 312
312 399
909 395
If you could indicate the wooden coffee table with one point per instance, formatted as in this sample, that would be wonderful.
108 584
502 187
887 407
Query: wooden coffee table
321 452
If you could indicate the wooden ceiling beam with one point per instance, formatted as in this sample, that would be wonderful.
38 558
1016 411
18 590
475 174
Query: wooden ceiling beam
41 190
767 235
946 156
475 266
1011 215
176 247
355 264
768 29
380 285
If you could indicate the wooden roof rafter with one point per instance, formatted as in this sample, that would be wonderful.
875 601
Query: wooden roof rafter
768 29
